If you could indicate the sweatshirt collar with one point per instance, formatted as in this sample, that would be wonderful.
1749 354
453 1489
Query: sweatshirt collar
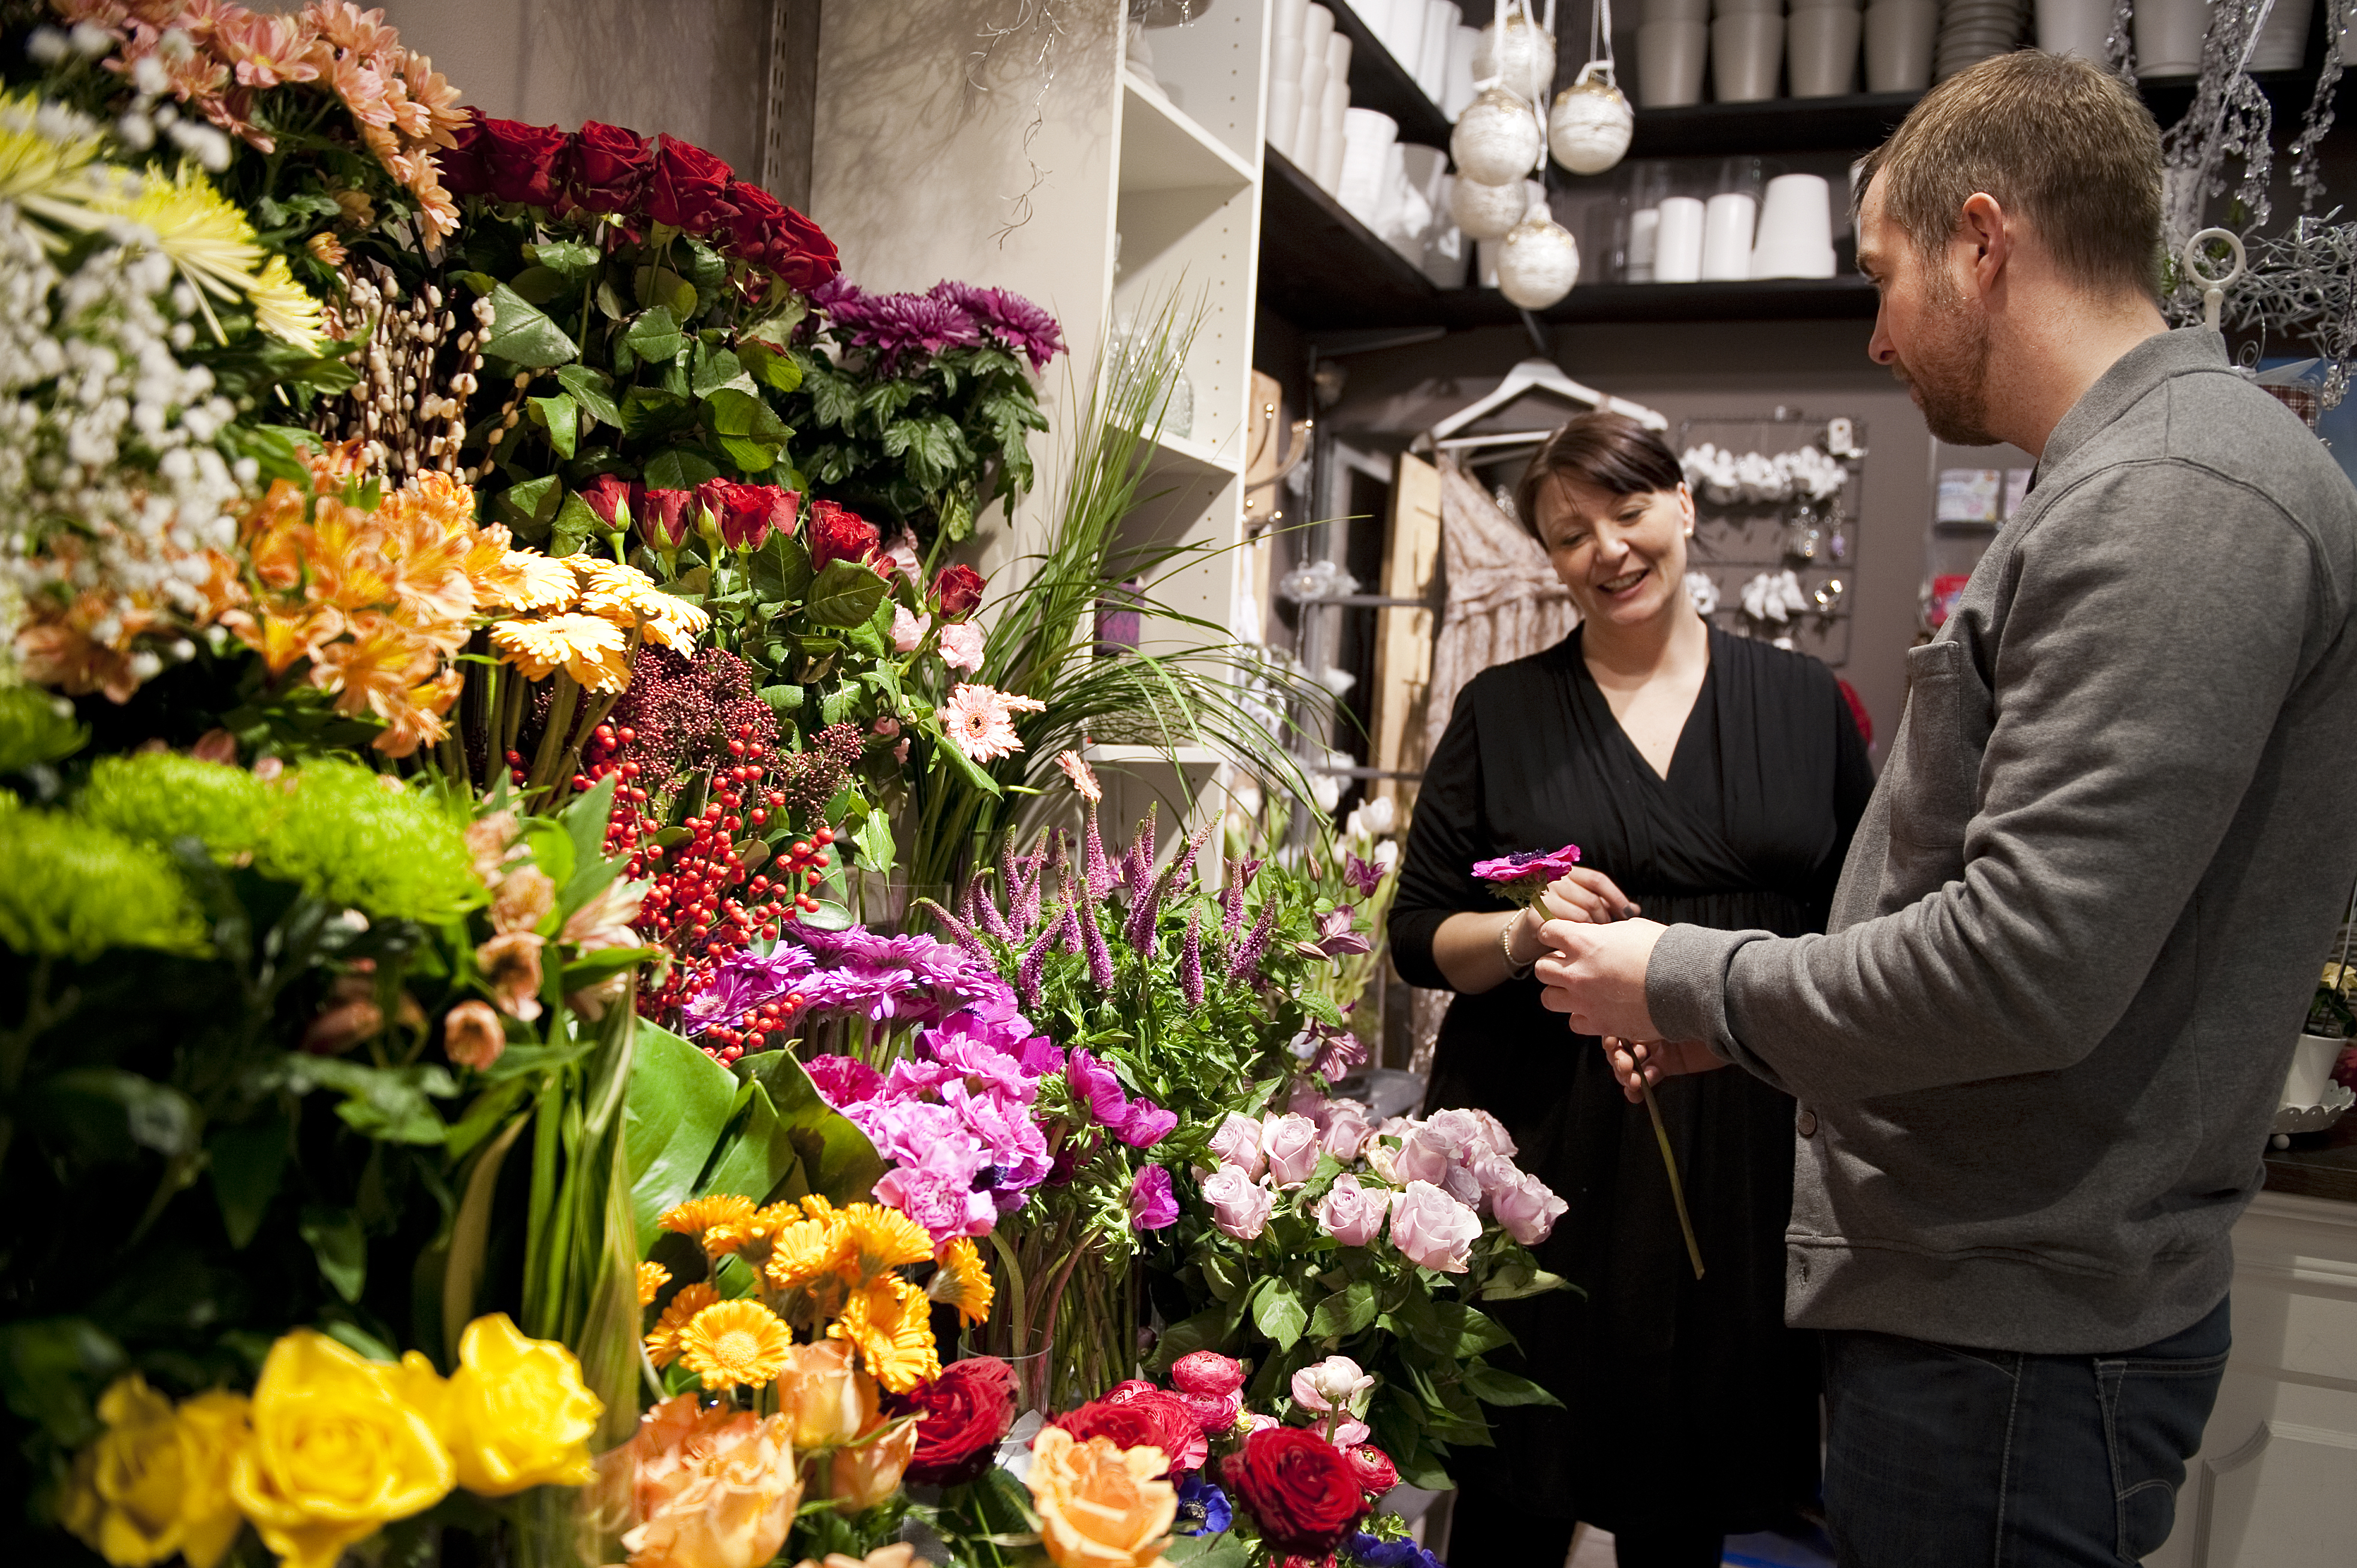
2156 360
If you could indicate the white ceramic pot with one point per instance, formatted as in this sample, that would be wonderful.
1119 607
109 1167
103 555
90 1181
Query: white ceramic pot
1589 127
1497 140
2312 1061
1521 53
1538 262
1486 211
1747 56
1670 57
2169 36
2076 27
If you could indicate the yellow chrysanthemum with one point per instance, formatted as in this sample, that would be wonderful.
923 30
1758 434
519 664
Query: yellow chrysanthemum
591 649
283 308
652 1277
890 1323
524 580
736 1344
962 1279
48 163
663 1339
886 1237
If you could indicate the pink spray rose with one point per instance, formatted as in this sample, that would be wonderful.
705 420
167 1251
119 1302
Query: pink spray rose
1528 1210
1352 1214
1289 1143
1241 1206
1433 1229
961 646
1237 1144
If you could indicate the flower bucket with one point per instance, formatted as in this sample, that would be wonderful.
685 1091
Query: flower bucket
2312 1061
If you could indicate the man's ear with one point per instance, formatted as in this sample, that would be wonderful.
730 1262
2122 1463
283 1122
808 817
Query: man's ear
1985 235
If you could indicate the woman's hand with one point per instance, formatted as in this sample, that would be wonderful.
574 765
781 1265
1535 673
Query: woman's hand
1587 896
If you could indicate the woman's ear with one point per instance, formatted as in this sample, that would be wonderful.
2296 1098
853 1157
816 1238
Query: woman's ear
1687 508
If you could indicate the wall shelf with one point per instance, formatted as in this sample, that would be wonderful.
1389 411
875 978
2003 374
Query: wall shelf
1322 267
1162 149
1848 297
1379 81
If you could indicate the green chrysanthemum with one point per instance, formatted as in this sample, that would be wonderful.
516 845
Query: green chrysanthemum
355 837
159 797
72 889
36 727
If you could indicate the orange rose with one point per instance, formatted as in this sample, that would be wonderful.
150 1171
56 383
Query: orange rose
1100 1506
862 1476
826 1398
724 1501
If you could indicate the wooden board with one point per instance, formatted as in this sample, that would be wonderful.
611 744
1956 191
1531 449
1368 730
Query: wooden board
1403 637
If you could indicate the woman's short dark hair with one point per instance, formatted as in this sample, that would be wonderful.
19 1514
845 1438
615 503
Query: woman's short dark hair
1609 451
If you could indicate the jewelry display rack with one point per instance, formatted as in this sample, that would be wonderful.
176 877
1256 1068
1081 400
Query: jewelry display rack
1737 540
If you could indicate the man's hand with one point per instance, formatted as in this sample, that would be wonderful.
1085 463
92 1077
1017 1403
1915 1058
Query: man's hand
1597 975
1583 894
1637 1063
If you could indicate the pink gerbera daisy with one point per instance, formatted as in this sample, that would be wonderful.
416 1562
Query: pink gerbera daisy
981 721
1084 777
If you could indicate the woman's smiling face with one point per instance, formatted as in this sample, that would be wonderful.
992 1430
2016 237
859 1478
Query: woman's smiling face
1623 557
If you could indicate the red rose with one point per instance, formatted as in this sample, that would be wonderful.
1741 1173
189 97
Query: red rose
836 534
1303 1494
611 168
1377 1473
765 233
463 171
957 589
747 513
961 1416
526 162
690 189
664 517
1145 1417
804 256
609 498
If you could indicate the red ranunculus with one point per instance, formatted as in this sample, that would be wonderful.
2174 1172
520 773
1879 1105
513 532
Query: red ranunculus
690 189
526 162
463 170
961 1416
1303 1494
609 498
1377 1473
836 534
611 167
1142 1417
664 517
765 233
957 589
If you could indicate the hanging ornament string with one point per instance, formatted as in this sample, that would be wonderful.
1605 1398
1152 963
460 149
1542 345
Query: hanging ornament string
2230 118
2213 285
1599 42
2339 16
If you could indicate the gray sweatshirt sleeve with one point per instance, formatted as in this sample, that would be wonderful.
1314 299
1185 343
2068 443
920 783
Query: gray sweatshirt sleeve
2159 614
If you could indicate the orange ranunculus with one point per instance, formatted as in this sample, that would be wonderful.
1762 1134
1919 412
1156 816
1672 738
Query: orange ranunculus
1100 1506
826 1398
868 1472
721 1496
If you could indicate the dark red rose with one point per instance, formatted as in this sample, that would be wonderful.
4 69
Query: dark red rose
1303 1494
1137 1415
690 189
609 498
464 172
1377 1473
807 258
957 589
611 167
836 534
765 233
526 162
711 504
962 1414
664 517
748 512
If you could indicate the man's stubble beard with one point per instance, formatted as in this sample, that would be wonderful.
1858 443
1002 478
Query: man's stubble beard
1949 374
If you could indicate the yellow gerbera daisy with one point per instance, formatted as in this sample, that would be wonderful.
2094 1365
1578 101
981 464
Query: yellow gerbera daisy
628 597
808 1249
890 1323
886 1237
768 1222
523 580
652 1277
733 1343
962 1279
698 1215
663 1339
593 651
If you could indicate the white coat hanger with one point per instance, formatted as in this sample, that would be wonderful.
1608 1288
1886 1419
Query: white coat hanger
1537 375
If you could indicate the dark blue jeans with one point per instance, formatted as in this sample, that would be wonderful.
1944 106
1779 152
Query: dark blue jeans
1940 1456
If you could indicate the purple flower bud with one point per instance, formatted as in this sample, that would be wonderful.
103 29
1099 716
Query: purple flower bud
1145 909
1137 865
1184 867
1027 875
1247 870
959 932
1033 969
1059 869
1093 942
1246 964
1231 906
986 914
1190 962
1096 871
1068 929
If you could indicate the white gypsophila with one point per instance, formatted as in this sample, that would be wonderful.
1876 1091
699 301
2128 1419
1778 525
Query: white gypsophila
109 480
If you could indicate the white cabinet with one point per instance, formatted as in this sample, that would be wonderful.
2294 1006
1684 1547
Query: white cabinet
2275 1483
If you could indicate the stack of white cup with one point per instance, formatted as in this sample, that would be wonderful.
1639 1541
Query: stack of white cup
1673 42
1308 88
1363 185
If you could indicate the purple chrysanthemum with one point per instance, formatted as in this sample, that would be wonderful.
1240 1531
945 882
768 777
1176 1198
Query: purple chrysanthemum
892 325
1014 320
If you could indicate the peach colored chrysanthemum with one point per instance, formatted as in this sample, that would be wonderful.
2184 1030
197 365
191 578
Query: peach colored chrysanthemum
736 1344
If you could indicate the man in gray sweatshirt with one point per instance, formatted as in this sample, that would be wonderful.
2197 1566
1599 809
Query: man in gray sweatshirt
2038 1050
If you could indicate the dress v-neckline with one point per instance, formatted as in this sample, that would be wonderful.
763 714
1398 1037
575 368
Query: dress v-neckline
1686 727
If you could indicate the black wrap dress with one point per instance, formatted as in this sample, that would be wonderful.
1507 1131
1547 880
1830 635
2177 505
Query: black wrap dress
1687 1404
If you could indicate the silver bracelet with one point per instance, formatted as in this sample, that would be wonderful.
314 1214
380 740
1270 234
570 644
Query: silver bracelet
1506 946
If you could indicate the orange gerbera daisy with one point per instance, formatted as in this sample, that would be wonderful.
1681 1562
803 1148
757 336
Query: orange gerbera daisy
736 1344
663 1339
885 1238
592 650
652 1277
807 1250
724 1212
890 1323
962 1279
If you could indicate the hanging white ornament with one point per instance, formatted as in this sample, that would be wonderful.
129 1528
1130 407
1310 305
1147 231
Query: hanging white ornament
1497 140
1486 211
1538 264
1589 127
1518 52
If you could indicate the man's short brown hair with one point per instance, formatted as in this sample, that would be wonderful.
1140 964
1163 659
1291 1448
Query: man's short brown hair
2065 144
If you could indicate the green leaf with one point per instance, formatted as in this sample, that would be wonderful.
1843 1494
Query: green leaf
746 428
757 1158
665 290
337 1242
560 417
1226 1549
772 369
1477 1333
1512 1283
592 388
105 1112
957 515
844 594
1344 1313
837 1162
538 285
392 1105
1491 1386
836 706
569 258
530 507
679 1102
875 840
784 701
53 1370
246 1163
781 568
576 527
651 413
655 335
718 368
524 337
680 468
1278 1314
961 764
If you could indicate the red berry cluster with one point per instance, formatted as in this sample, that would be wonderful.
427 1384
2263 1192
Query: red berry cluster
752 1030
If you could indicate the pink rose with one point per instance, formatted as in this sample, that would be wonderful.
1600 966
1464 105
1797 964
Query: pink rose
961 646
1289 1143
1237 1145
1528 1210
1424 1156
1241 1206
1471 1134
1206 1372
908 630
1346 1132
1433 1229
1352 1214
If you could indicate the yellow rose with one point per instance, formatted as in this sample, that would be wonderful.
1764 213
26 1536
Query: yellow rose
828 1400
727 1504
125 1496
215 1428
1100 1506
336 1452
515 1413
862 1476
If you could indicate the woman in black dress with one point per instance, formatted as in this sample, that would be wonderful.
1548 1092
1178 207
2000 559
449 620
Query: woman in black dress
1708 779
